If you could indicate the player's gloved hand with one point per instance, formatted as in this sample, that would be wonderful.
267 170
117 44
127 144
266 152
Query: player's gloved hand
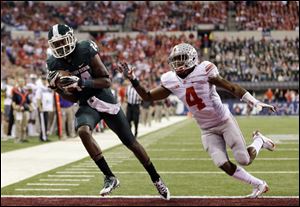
260 105
69 83
248 98
52 78
122 67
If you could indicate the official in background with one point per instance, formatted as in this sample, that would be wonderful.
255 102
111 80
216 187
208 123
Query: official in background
45 103
133 107
21 105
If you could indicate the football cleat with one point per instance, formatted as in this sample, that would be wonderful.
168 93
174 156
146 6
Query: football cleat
259 190
162 189
110 183
267 143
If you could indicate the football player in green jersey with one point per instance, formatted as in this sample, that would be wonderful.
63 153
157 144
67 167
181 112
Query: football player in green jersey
91 82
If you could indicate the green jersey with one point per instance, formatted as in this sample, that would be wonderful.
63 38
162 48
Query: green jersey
78 63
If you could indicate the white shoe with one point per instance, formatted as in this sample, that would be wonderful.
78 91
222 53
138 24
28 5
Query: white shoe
162 189
259 190
267 142
110 183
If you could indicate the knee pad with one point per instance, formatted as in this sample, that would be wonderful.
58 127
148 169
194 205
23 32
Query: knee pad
229 168
242 158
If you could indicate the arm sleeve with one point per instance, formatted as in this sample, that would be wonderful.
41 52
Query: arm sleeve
211 69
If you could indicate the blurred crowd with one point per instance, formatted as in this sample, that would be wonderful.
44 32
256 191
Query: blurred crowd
23 55
273 15
178 15
250 60
39 16
148 53
150 16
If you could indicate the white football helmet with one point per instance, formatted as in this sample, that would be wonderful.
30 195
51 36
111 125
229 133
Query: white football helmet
61 40
183 56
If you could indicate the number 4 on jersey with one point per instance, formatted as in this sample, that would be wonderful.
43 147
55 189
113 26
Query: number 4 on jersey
192 98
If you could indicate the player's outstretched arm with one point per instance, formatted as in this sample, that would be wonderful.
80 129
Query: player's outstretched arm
239 92
155 94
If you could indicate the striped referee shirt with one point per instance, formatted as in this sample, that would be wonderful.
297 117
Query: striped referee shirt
132 96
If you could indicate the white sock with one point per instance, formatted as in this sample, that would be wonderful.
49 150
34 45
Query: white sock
257 144
246 177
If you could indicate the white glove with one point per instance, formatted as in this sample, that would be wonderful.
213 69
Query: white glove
261 105
68 83
52 77
248 98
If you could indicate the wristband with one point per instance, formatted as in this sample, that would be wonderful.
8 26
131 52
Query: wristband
135 83
247 97
86 83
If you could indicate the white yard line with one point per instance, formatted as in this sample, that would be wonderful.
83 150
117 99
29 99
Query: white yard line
42 189
65 180
209 159
85 166
200 149
78 172
72 176
80 169
206 172
53 184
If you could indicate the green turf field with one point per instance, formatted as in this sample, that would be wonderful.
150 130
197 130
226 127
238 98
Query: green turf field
178 155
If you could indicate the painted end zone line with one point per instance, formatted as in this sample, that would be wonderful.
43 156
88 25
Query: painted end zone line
134 197
208 172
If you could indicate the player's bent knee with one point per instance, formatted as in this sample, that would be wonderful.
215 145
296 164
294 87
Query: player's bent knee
84 131
219 158
242 158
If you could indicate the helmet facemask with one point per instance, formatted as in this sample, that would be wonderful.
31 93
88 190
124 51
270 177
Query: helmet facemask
183 57
177 62
62 45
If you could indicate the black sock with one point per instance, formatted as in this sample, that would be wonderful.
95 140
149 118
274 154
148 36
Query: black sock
152 172
104 167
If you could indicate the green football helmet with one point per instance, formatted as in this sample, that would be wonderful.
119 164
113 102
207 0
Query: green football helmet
61 40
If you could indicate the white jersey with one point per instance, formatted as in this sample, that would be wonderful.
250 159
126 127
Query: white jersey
198 95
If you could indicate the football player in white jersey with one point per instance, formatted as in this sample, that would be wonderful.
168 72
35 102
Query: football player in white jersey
195 84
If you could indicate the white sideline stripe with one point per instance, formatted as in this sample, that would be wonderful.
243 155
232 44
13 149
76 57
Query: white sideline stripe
209 159
84 167
71 176
201 150
208 172
283 143
53 184
200 145
42 189
65 180
78 172
146 196
78 169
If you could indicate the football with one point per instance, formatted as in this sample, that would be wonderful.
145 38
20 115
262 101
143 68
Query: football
65 79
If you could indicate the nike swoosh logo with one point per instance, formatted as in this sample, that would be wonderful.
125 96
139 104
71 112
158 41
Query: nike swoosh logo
80 65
